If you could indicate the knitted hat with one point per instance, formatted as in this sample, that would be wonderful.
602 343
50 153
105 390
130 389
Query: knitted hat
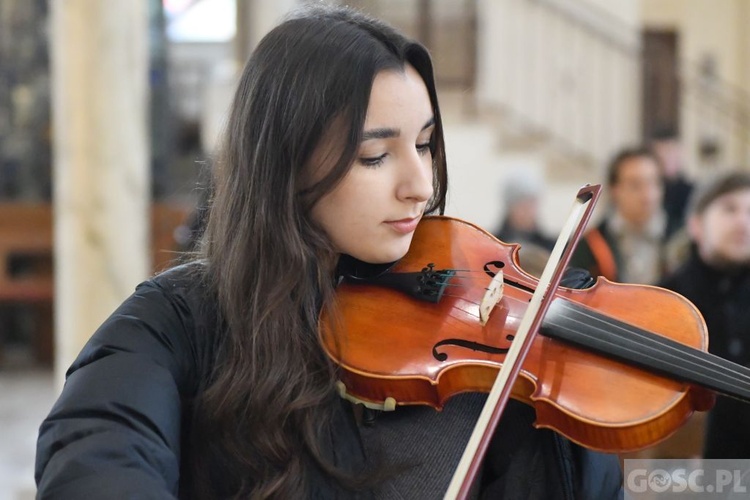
520 185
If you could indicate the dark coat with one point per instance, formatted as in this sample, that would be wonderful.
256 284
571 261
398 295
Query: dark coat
118 429
676 197
723 298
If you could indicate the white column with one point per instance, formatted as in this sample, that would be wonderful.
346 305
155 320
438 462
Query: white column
99 53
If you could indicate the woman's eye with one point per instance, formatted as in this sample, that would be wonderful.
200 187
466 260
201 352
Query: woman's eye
373 161
423 148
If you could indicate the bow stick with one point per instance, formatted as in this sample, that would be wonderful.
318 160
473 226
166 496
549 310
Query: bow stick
476 448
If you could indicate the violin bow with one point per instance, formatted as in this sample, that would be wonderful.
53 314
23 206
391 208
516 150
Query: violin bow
476 448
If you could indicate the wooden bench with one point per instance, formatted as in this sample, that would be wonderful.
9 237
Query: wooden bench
26 261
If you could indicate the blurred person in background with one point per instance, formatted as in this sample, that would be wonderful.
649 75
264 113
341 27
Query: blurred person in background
628 245
716 278
521 192
666 146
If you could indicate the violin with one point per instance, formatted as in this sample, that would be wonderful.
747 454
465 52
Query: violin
615 367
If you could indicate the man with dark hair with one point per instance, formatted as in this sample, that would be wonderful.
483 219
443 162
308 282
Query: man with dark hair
716 278
627 246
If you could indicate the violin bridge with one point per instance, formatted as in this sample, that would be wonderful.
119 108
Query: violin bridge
388 405
492 296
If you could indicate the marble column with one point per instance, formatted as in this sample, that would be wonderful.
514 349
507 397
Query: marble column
99 56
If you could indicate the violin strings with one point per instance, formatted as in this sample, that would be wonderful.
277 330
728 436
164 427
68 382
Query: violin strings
467 286
635 342
473 273
701 362
680 349
672 354
661 342
717 383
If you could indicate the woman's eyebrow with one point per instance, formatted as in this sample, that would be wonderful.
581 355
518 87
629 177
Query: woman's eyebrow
387 133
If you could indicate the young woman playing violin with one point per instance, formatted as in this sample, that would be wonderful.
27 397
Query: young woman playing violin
210 380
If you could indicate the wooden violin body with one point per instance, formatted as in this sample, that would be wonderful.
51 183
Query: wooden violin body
396 348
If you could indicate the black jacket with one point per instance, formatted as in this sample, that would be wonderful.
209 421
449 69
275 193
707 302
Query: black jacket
118 429
723 298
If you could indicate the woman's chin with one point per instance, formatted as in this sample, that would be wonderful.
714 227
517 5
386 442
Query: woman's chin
383 256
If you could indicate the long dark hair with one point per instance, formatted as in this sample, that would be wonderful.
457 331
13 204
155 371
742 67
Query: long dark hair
265 406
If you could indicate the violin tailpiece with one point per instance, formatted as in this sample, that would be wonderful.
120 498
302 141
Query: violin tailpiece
428 284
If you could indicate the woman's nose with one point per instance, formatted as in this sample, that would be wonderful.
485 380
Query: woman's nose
416 179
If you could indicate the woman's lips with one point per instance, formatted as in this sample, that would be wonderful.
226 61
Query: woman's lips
404 226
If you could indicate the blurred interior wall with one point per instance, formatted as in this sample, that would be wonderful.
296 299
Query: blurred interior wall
714 36
718 28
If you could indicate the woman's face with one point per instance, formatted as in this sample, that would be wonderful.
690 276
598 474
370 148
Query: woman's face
372 213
